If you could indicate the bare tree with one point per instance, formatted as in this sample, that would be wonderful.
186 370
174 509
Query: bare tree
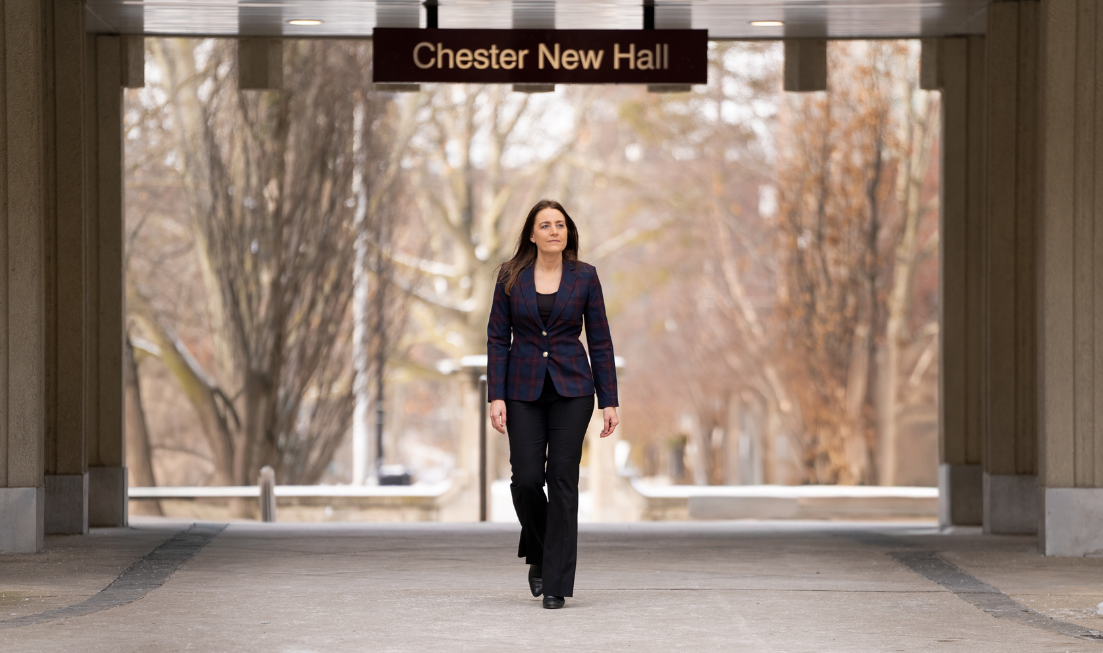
481 156
710 152
851 177
268 181
799 329
139 452
808 330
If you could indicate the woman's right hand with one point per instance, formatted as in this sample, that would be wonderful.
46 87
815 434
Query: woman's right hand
498 415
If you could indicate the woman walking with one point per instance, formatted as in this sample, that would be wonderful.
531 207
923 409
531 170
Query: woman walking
538 377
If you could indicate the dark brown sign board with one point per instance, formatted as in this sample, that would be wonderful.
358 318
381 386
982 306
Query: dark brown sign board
537 56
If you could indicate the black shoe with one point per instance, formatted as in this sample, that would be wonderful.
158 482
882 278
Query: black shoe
536 583
553 602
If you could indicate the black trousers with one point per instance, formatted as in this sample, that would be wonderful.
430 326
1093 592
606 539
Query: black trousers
545 444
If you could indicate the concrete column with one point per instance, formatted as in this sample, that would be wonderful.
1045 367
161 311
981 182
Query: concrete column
463 502
805 65
1010 334
260 63
66 478
22 287
104 294
603 469
614 498
398 14
132 58
957 67
678 16
1070 279
533 14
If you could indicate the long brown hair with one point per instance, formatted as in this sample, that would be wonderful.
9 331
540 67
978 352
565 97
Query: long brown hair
526 252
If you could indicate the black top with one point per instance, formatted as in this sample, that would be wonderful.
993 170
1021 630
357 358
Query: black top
544 304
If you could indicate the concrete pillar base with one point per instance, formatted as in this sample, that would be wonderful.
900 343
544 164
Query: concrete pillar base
1010 504
107 496
66 504
960 495
23 519
1071 523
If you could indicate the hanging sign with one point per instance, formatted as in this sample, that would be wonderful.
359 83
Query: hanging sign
537 56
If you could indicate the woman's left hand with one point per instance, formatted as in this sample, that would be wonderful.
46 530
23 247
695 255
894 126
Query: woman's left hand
611 421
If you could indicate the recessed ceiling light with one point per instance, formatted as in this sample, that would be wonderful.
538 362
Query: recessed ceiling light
304 21
767 23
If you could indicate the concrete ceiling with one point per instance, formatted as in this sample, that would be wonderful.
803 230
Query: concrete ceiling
724 19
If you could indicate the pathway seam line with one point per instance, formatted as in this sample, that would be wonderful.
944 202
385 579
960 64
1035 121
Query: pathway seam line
147 574
979 594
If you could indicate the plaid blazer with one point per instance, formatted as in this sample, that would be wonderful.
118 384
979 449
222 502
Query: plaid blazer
515 370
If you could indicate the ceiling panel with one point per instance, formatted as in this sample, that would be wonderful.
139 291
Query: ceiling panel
723 18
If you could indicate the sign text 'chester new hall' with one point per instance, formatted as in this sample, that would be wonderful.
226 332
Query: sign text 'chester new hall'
524 56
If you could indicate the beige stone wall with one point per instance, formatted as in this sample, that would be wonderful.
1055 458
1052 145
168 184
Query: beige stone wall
108 64
61 274
1010 392
64 225
1071 242
104 285
22 288
22 283
958 70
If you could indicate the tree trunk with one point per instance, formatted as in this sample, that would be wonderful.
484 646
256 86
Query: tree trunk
752 466
888 366
139 456
909 186
733 433
200 394
700 435
769 431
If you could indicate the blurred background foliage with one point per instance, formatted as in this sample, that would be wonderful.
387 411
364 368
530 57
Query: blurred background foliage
769 262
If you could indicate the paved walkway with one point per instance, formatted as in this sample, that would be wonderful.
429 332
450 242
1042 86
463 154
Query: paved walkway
698 586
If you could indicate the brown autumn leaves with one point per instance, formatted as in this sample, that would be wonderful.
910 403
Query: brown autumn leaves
769 260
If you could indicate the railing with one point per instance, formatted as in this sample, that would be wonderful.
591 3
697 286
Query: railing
787 501
253 491
421 502
648 502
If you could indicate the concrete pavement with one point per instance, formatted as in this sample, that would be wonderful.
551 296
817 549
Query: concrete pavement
731 586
